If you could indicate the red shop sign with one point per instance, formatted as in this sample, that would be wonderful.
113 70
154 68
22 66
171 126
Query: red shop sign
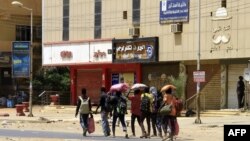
66 54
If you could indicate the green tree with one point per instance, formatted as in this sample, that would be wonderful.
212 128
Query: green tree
180 84
53 79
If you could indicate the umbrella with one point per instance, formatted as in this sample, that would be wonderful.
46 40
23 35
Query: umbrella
166 87
119 87
138 85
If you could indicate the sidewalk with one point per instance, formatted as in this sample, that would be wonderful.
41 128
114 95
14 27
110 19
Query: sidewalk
50 113
212 127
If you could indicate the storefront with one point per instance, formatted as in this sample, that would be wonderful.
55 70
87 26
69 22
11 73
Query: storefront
127 56
94 76
101 63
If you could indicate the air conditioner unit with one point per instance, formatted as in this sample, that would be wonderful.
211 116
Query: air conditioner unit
176 28
134 31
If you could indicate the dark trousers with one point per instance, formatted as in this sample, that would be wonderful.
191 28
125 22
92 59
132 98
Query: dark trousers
84 121
133 117
122 119
146 116
169 121
240 101
154 121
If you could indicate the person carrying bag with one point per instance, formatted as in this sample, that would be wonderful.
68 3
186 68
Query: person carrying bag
84 108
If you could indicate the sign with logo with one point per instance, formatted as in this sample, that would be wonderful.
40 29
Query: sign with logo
199 76
20 59
135 50
174 11
236 132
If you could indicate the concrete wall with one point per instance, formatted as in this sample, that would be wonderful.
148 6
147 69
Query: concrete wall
173 47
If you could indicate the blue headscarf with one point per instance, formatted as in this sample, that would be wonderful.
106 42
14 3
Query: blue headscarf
153 91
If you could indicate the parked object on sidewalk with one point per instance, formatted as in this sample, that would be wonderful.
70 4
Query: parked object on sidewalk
190 113
26 106
54 99
19 110
91 124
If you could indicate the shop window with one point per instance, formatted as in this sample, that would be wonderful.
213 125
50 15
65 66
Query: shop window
224 3
23 33
136 12
65 20
125 15
98 19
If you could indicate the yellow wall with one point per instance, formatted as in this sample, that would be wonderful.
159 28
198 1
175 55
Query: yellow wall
10 16
172 47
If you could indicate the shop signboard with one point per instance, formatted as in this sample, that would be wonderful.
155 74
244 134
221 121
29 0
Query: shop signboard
20 59
172 11
199 76
135 50
115 78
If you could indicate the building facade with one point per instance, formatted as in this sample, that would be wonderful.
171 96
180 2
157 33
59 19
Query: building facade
88 31
14 27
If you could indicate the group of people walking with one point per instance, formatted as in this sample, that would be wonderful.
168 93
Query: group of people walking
145 104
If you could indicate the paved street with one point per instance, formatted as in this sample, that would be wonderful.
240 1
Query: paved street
59 124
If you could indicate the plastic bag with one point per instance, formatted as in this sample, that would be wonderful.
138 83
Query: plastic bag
91 124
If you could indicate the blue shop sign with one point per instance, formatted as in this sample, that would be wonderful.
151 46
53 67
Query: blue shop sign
20 59
174 11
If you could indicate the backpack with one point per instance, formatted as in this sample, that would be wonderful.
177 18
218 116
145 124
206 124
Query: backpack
108 104
178 106
84 107
145 104
121 106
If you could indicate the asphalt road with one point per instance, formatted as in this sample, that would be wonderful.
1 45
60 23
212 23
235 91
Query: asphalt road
61 135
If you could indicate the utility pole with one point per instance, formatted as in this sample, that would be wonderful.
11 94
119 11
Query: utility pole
198 120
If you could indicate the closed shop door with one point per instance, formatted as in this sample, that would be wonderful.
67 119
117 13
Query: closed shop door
210 92
234 71
92 81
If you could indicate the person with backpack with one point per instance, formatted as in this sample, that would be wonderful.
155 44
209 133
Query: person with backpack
119 111
105 104
155 117
84 108
146 110
169 121
135 108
